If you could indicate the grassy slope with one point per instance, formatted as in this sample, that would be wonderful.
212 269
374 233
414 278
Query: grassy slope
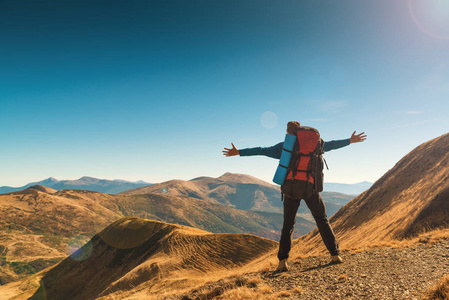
147 255
40 228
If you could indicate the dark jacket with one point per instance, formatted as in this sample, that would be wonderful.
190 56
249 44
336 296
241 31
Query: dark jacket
276 150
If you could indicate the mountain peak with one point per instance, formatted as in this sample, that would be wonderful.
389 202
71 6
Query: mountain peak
88 178
42 188
242 178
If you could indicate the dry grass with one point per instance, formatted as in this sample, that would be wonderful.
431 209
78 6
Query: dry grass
265 292
282 294
265 289
298 290
342 277
433 236
254 282
439 290
428 238
240 293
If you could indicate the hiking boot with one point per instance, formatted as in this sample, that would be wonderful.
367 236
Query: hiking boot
336 259
283 266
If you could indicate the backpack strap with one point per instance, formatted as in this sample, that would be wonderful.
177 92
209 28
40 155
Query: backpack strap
296 157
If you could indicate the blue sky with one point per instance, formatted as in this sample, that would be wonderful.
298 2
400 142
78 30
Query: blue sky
153 90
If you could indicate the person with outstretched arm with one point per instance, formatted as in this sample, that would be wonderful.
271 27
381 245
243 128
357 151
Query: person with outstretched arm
314 203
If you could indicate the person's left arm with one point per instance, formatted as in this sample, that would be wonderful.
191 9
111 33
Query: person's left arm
355 138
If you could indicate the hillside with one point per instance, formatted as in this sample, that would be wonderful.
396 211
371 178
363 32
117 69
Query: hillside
235 190
410 198
40 226
146 258
239 191
83 183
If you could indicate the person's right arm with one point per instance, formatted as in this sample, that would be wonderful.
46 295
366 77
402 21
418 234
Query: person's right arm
273 151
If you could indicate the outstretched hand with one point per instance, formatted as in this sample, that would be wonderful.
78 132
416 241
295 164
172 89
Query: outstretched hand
231 152
356 138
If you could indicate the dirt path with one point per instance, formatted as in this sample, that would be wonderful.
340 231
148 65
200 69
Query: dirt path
30 248
379 273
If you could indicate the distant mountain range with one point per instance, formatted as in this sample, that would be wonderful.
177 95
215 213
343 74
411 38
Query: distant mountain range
118 186
233 190
84 183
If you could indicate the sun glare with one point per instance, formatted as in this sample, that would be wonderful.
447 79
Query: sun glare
78 249
431 17
269 120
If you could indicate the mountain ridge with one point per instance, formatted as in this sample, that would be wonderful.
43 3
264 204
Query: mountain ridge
84 183
239 191
149 253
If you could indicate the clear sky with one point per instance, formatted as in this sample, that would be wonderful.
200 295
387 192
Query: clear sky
153 90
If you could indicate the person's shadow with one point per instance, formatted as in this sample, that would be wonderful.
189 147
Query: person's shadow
321 266
275 274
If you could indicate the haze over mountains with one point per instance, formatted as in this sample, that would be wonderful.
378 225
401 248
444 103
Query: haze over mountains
117 186
84 183
345 188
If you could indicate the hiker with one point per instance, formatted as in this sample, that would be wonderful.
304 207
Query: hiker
314 202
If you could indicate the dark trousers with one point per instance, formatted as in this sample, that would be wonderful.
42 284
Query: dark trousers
318 210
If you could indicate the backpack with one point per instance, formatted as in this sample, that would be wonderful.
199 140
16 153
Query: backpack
305 172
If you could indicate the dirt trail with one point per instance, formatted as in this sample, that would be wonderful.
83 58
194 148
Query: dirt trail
378 273
28 243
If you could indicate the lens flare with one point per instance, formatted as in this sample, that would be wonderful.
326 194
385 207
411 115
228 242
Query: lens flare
41 293
431 17
79 248
269 119
128 233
